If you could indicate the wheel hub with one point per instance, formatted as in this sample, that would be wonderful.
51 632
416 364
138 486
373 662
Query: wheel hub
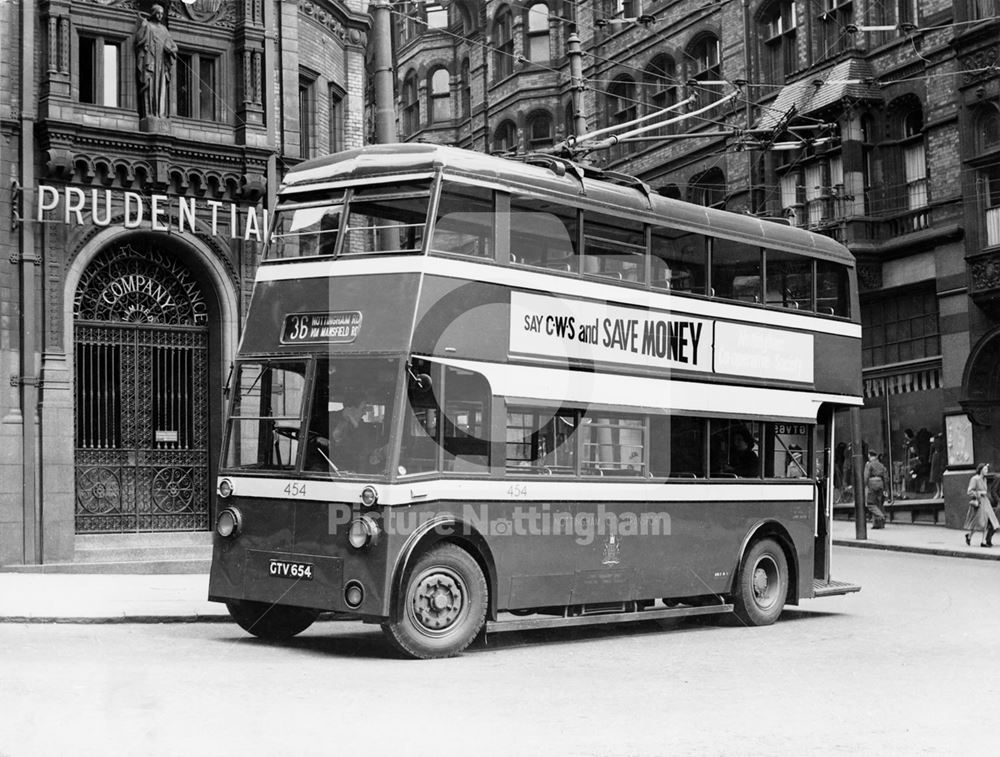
437 602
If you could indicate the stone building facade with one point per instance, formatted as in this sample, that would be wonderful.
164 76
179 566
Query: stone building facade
131 242
873 122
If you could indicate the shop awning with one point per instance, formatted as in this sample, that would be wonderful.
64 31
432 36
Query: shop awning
902 383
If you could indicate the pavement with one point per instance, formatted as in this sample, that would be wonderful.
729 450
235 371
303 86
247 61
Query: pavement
173 598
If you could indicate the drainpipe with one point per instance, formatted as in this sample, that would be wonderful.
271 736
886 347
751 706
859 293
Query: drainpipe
385 106
576 83
27 261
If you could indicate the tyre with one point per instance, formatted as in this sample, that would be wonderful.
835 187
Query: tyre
442 605
271 622
762 584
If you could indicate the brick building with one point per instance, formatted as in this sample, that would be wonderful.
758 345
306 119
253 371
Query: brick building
134 217
874 122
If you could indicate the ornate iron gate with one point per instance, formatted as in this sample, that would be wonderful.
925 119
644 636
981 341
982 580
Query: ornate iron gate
141 365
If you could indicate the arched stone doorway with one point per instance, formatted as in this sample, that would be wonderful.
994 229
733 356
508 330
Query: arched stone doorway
980 397
141 392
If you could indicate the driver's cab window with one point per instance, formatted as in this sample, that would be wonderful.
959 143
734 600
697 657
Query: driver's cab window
348 429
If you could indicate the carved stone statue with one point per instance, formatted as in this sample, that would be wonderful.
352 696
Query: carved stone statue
155 52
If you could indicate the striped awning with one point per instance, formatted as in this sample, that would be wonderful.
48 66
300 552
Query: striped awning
902 383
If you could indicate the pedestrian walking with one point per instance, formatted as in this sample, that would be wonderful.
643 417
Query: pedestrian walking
937 465
875 479
980 516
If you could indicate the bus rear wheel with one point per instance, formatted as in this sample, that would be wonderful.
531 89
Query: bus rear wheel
762 584
443 605
271 622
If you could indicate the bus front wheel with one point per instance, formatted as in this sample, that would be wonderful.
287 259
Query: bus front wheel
762 584
271 622
443 605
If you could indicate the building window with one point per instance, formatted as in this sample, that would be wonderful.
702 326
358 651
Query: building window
99 71
900 328
505 138
709 189
437 16
830 28
503 45
306 113
336 98
197 85
440 95
411 23
778 29
982 10
540 131
704 64
914 161
621 109
987 129
989 181
661 89
411 105
537 44
465 85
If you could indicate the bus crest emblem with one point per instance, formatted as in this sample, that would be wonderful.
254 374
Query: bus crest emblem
612 552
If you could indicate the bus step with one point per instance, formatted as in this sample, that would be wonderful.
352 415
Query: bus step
832 588
524 624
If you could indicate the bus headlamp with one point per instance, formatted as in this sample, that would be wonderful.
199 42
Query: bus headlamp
225 488
364 531
369 496
228 523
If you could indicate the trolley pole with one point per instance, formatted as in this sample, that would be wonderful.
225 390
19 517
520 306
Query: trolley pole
385 110
860 528
576 83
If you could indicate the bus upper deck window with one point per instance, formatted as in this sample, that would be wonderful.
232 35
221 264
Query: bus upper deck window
614 247
543 234
465 222
736 270
386 218
789 280
305 231
832 288
679 259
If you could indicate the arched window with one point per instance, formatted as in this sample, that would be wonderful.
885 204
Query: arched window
660 90
465 86
705 65
539 131
778 24
505 138
503 44
411 105
911 125
621 109
440 105
537 33
709 189
987 129
463 16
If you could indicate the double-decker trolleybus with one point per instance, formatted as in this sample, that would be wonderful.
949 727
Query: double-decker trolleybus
475 392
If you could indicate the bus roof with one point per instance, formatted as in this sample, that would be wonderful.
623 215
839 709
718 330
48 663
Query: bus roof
576 183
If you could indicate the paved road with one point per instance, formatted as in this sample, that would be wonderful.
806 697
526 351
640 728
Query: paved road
902 668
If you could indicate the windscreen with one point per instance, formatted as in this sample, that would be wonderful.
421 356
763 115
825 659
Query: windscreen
330 416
